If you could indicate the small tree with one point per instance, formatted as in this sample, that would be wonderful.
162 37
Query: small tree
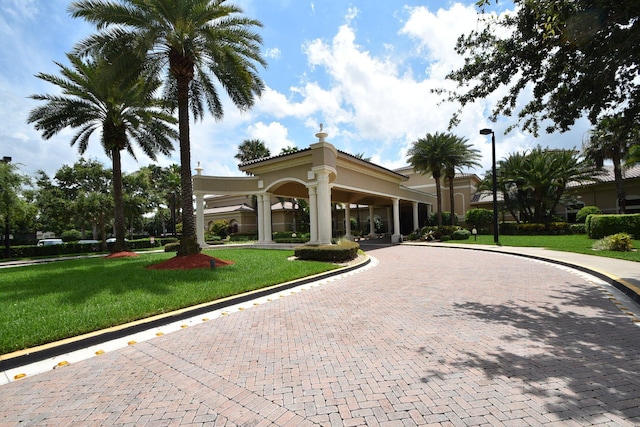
583 213
479 217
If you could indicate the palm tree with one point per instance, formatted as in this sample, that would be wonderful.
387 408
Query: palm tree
612 139
201 42
431 154
533 183
252 149
122 110
462 156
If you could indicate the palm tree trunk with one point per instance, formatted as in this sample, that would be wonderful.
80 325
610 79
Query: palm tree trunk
118 217
451 201
439 201
188 241
617 173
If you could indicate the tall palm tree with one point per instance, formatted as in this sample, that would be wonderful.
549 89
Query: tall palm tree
431 155
252 149
122 111
462 156
611 139
201 42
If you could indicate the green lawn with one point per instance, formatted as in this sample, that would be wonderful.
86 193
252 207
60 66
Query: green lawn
578 243
48 302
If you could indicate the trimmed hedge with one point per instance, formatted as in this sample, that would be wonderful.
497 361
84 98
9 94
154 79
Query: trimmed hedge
33 251
341 252
599 226
535 229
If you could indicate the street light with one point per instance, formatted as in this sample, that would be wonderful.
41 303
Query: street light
7 244
494 181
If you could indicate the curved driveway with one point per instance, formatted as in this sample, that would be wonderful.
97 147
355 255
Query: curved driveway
423 336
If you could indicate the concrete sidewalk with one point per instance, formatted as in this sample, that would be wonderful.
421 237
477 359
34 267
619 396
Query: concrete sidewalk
424 335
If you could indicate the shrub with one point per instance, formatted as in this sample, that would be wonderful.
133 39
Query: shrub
534 229
172 247
345 250
583 213
445 238
577 228
446 218
599 226
479 217
243 237
461 234
219 228
620 242
71 236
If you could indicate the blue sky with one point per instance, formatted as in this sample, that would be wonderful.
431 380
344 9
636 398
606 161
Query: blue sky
363 68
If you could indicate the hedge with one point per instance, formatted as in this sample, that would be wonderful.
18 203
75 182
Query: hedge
599 226
535 229
341 252
32 251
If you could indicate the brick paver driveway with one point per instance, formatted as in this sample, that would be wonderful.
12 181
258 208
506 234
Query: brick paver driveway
427 336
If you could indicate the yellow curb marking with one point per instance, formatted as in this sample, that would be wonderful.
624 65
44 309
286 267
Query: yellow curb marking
184 326
159 334
19 376
131 343
99 352
61 364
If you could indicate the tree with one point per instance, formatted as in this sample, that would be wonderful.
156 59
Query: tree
576 58
432 154
203 42
122 107
462 156
252 149
11 204
533 183
612 139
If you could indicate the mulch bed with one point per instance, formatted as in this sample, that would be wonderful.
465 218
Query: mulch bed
189 262
122 255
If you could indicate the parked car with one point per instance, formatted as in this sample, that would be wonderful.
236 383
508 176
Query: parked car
50 242
113 240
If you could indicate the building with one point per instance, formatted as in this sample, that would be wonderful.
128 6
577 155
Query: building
336 185
322 176
601 193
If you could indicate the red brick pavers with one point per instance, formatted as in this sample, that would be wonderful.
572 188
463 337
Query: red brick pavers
429 336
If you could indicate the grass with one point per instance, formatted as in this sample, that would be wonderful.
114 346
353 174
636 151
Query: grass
578 243
49 302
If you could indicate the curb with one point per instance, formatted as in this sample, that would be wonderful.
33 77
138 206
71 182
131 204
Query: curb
48 351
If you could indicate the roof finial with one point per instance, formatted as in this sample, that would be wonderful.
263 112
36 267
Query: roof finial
322 134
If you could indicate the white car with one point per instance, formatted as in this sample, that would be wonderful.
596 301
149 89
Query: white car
50 242
113 240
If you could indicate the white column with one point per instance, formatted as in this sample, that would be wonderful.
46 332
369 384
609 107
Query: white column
324 208
390 221
200 219
347 221
416 219
313 216
266 217
260 218
395 238
372 226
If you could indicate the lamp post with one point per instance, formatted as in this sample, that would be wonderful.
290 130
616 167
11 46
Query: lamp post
494 181
7 243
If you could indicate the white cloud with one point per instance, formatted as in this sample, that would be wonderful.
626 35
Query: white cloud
273 53
274 135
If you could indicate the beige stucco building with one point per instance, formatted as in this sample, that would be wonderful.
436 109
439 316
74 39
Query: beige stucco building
324 177
337 186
